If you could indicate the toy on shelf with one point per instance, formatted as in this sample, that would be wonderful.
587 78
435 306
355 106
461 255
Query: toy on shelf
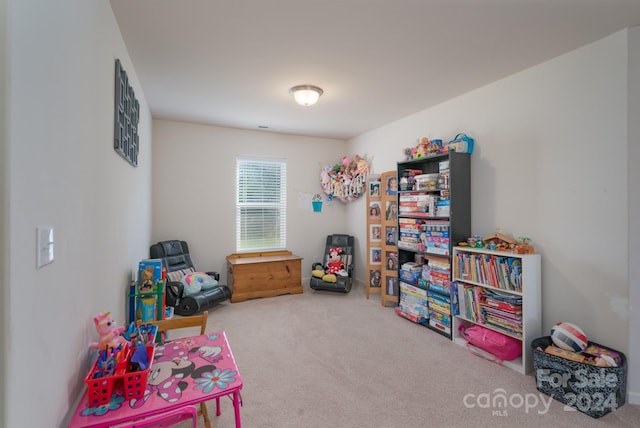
422 149
473 242
500 242
109 334
523 246
461 143
425 147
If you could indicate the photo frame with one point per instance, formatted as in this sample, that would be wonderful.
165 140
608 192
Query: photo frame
375 212
392 185
391 286
391 211
374 188
375 256
391 235
375 233
375 278
391 261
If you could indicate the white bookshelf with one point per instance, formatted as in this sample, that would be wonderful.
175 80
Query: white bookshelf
531 301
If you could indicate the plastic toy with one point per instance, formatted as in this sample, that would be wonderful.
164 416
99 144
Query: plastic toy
475 242
109 334
499 241
461 143
523 247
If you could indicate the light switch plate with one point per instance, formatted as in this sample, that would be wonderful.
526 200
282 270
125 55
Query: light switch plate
44 246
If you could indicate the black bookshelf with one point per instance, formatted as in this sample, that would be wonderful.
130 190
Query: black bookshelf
458 190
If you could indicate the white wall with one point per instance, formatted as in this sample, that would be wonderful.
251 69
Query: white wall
550 163
64 172
634 213
4 202
194 189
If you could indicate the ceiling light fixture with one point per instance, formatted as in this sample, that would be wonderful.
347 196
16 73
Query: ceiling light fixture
306 95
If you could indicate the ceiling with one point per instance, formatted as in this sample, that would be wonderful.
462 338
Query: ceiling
231 62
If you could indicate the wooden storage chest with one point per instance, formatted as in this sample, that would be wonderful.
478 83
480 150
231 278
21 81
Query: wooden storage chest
263 274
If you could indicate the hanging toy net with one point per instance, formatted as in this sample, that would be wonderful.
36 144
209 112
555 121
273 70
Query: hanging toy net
346 180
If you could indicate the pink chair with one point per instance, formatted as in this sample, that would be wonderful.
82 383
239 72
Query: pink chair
165 419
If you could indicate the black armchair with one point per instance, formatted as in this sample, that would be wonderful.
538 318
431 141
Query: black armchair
342 281
175 257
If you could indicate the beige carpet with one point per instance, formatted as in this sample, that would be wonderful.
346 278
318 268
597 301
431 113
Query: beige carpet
326 359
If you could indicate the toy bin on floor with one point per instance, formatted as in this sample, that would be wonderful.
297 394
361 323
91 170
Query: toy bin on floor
590 389
131 384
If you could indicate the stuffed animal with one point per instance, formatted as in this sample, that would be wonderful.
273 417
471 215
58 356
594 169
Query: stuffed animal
335 263
422 149
346 160
362 167
335 266
319 271
109 334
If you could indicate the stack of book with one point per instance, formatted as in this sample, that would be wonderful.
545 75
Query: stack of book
503 311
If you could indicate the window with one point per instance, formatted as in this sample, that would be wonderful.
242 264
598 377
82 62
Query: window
261 202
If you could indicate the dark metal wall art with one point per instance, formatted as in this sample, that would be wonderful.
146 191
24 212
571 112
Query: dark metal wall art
126 115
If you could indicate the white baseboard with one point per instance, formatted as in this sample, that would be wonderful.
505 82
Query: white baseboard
634 398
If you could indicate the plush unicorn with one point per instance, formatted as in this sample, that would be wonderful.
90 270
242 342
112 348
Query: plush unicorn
109 334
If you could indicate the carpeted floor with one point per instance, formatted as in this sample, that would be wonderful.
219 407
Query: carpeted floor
326 359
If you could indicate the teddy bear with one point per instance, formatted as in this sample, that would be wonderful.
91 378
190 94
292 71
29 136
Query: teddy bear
362 167
422 149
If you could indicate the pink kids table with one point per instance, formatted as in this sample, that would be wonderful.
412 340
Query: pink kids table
185 372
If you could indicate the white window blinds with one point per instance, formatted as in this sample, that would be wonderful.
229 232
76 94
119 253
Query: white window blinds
261 204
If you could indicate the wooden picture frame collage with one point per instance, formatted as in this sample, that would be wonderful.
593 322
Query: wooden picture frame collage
382 237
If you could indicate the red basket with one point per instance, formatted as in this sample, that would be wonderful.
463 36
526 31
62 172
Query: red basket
131 384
